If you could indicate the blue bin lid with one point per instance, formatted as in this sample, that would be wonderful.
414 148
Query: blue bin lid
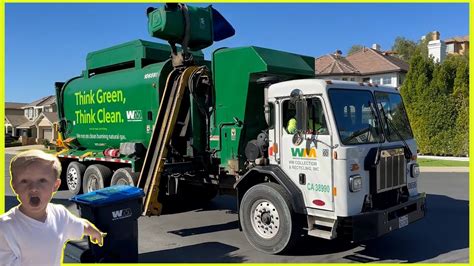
109 195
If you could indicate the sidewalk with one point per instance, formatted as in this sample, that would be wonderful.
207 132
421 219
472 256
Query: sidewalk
432 169
463 159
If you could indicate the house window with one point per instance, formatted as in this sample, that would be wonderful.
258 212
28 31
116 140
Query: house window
344 79
30 112
450 48
352 79
376 80
387 80
366 80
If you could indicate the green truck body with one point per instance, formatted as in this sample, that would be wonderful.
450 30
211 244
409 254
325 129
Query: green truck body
117 97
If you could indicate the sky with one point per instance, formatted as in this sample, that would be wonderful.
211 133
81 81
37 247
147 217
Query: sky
45 43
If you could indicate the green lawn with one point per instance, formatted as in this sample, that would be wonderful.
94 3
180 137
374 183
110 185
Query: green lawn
441 163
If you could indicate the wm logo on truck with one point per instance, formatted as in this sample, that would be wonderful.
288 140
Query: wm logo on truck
121 214
134 115
303 153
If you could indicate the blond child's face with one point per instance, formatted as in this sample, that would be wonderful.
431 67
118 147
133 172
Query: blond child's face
35 186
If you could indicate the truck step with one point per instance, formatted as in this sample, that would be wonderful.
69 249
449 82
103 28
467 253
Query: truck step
320 234
322 227
325 222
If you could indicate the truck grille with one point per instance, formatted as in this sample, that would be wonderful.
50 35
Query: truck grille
391 170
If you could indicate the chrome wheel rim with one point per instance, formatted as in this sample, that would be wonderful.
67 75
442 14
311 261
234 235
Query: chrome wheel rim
122 181
72 178
93 183
265 219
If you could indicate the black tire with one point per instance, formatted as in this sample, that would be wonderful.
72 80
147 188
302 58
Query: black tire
124 176
74 175
267 218
97 176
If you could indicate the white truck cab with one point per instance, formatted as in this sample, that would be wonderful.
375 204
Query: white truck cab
347 165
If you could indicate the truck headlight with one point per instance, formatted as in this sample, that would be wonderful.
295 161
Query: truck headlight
414 170
355 183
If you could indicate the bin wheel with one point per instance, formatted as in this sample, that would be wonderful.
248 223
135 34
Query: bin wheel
124 176
74 175
267 218
97 176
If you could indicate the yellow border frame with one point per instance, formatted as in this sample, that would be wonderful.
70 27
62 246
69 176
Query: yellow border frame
471 101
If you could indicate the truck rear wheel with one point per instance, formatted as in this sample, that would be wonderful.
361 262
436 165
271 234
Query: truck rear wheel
124 176
74 175
97 176
267 220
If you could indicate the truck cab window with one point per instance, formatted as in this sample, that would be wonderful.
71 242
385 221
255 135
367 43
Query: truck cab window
355 119
316 118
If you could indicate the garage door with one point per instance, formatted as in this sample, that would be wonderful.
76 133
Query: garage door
47 133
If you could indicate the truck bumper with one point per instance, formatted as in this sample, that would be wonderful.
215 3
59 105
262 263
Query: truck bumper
373 224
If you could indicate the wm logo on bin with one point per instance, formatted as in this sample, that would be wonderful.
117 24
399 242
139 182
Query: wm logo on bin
121 214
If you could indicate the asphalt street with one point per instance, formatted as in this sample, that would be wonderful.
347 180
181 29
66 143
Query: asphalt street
210 233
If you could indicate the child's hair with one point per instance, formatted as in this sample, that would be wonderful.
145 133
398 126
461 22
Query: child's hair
23 159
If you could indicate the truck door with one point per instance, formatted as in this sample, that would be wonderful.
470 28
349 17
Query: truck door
307 160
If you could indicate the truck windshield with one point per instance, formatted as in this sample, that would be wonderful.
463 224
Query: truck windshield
394 116
355 118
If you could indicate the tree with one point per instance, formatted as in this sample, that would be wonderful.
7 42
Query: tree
404 48
415 90
422 45
461 96
355 48
436 97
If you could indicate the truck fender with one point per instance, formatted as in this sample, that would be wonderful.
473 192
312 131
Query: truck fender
257 175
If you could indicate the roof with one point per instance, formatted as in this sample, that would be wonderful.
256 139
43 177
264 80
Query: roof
12 105
16 120
334 64
51 116
27 124
457 39
363 62
370 61
48 100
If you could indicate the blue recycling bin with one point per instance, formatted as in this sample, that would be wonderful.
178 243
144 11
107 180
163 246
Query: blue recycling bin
115 211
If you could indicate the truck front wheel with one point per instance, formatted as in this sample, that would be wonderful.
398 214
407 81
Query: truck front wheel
74 174
267 220
97 176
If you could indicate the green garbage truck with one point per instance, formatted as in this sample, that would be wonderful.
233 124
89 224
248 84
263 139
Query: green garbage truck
330 159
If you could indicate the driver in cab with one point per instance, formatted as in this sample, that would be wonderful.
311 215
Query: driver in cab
314 126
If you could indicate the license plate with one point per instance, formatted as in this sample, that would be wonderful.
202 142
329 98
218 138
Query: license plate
402 221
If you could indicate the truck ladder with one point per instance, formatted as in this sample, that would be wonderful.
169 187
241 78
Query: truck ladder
150 176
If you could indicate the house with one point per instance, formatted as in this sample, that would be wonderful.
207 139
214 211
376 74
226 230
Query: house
39 119
439 49
14 117
457 45
366 65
